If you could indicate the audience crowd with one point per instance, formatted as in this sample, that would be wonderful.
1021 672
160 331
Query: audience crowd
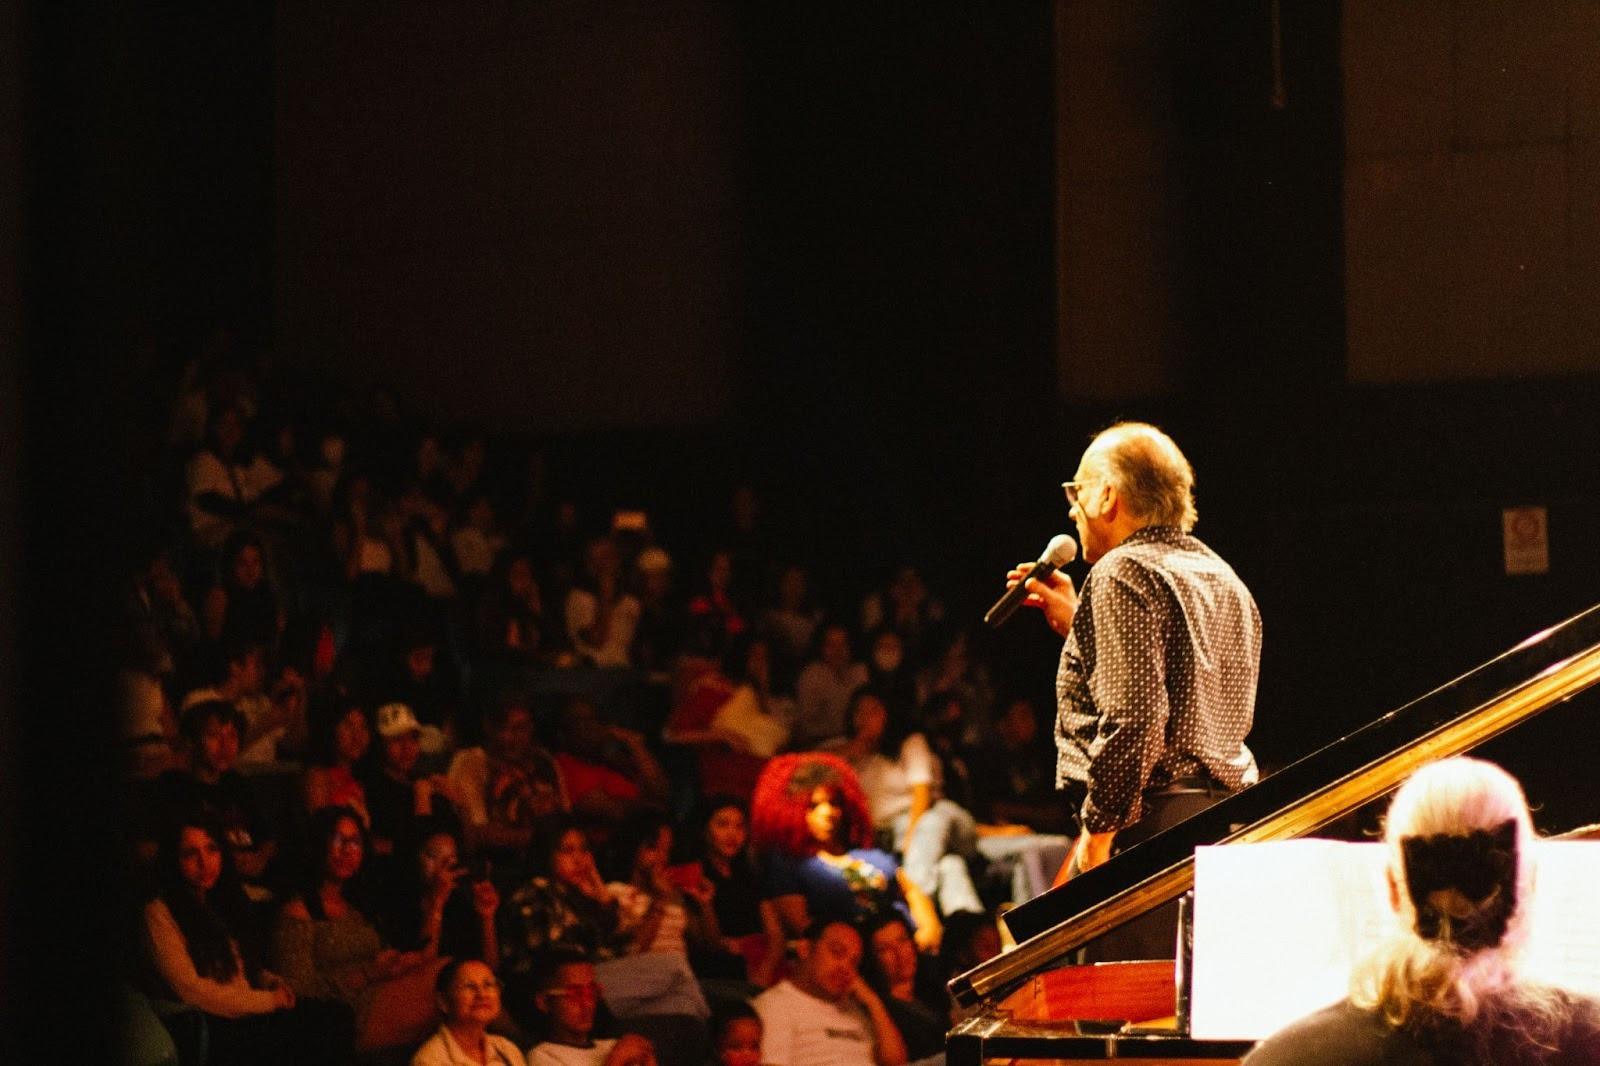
423 766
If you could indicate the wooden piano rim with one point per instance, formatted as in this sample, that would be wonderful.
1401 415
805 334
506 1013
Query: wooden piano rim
1559 682
993 1040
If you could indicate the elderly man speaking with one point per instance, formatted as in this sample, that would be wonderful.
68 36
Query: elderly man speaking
1156 687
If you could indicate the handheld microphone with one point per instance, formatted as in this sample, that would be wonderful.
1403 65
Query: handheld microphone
1061 550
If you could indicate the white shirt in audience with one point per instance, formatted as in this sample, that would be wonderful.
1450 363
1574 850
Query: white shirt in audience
548 1054
443 1050
798 1029
582 610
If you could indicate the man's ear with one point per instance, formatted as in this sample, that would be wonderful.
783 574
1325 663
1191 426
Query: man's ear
541 1001
1394 888
802 949
1110 500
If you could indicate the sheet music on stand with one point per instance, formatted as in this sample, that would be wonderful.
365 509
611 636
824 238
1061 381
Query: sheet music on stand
1280 927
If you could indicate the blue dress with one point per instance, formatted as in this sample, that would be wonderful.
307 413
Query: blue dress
847 892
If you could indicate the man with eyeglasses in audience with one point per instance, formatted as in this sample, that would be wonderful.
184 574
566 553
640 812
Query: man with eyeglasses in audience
568 999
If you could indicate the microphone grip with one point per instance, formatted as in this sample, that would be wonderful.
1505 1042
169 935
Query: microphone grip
1007 605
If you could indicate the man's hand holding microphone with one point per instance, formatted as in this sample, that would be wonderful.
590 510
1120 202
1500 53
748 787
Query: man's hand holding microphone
1041 584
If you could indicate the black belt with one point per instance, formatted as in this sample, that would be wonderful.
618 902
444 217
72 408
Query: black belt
1183 785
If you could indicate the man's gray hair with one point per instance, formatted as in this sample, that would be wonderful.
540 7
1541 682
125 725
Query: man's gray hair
1151 474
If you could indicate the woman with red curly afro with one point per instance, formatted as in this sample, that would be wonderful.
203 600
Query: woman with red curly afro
809 818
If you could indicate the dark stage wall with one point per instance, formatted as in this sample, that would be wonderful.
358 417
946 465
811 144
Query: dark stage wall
532 214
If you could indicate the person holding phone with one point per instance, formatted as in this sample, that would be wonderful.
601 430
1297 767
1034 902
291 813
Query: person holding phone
439 903
751 941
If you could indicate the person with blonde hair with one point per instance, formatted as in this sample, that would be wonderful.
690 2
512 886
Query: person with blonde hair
1447 988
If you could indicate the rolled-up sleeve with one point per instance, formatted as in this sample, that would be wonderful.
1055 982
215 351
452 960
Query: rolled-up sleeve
170 953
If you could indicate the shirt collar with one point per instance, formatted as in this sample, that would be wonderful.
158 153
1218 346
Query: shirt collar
458 1054
1154 535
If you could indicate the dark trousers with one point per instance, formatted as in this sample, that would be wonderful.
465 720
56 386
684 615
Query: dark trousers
315 1033
1154 934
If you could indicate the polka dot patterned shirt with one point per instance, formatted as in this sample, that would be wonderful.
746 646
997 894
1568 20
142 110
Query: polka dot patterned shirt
1158 676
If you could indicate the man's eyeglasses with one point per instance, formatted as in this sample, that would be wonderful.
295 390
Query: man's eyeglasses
1073 488
587 991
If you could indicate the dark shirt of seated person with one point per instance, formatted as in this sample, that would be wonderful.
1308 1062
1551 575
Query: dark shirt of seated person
511 620
751 941
825 1013
201 939
432 901
659 637
608 771
507 788
567 905
728 715
568 1001
812 827
564 903
422 680
400 797
238 675
242 604
210 732
327 949
908 983
969 939
1447 988
1014 775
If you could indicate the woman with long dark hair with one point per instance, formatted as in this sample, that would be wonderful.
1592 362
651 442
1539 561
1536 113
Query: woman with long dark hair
327 949
567 905
242 603
201 941
226 478
436 900
751 933
341 733
658 914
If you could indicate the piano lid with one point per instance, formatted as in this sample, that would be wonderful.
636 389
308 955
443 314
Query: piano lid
1543 670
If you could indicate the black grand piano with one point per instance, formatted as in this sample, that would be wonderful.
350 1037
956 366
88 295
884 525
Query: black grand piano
1032 1005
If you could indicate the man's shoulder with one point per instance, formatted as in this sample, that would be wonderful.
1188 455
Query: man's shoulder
468 760
1155 546
781 990
550 1054
785 994
1161 557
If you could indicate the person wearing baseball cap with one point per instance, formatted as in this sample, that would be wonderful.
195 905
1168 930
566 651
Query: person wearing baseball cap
399 794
